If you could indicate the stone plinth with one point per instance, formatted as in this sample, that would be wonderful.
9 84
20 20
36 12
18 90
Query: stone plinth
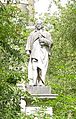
41 92
34 90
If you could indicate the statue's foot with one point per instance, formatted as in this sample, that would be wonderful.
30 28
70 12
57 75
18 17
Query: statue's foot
34 84
41 84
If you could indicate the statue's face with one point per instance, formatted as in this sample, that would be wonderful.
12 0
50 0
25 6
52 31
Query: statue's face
39 26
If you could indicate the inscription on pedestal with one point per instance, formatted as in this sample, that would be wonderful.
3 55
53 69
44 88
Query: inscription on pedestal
34 110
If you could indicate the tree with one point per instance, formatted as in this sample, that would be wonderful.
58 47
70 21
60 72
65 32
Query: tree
12 59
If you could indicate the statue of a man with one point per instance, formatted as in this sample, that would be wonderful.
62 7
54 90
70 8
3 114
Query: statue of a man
38 46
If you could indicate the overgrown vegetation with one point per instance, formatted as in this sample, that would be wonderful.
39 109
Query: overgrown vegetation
61 75
12 59
62 69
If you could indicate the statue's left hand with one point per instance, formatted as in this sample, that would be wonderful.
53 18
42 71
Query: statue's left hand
42 40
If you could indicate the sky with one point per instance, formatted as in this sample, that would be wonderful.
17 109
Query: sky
41 6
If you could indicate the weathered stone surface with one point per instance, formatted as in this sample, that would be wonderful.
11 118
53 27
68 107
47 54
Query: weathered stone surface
38 89
42 92
45 96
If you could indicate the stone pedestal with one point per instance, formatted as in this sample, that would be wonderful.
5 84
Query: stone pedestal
43 93
40 92
36 90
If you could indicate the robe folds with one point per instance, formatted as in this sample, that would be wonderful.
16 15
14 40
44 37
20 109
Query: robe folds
38 44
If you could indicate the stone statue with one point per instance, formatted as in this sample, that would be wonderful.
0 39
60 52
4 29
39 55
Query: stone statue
38 46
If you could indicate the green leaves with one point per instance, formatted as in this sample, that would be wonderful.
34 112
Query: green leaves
61 75
12 60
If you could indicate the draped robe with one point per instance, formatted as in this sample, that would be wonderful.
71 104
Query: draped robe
38 44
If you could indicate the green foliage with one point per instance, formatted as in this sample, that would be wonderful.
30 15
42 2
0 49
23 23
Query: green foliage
12 59
61 74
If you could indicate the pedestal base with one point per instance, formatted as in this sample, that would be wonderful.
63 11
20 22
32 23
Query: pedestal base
41 92
35 110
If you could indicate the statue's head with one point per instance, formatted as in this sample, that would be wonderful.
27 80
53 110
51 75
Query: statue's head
39 24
